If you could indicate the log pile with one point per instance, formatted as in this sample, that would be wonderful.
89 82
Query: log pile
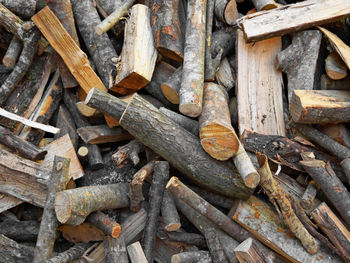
175 131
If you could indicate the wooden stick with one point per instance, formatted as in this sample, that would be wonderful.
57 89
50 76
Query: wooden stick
136 253
184 237
115 250
74 205
102 134
105 223
191 91
247 252
130 151
200 256
161 175
170 216
49 224
171 87
12 53
335 66
69 255
214 245
226 11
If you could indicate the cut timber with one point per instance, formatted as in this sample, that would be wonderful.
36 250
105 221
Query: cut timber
226 11
171 87
332 227
86 110
136 253
262 221
105 223
138 57
335 67
75 59
218 138
102 134
247 252
214 199
215 248
12 53
115 250
170 215
191 91
65 123
184 151
166 28
261 5
320 106
259 87
299 61
63 147
281 21
49 224
225 75
337 132
74 205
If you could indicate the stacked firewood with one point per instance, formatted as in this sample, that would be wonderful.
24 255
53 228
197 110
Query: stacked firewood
174 131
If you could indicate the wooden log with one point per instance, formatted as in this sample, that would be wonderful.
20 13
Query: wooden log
22 8
115 250
214 199
247 252
330 185
138 57
171 87
10 21
171 219
136 253
214 245
65 123
69 255
209 72
337 132
335 66
12 53
309 195
105 223
74 205
183 237
49 224
20 230
121 9
7 202
262 221
191 256
11 251
320 106
226 11
167 32
279 198
59 39
21 146
299 61
225 75
130 151
102 134
254 112
328 84
261 5
332 227
218 138
260 26
179 151
161 175
191 91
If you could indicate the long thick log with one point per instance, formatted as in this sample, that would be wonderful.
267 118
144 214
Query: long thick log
183 151
280 21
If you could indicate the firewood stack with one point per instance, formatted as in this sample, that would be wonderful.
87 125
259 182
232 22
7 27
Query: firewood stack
174 131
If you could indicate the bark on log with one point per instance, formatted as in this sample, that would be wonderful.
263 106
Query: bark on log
69 255
335 66
307 200
218 138
49 224
170 216
226 11
12 53
214 199
299 61
225 75
191 160
329 84
214 245
280 21
167 32
183 237
200 256
337 132
10 21
74 205
209 72
11 251
247 252
138 57
161 176
22 8
102 134
191 91
115 250
130 151
105 223
171 87
20 230
66 124
136 253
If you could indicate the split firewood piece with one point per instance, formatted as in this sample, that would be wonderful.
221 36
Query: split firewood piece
337 132
121 9
100 48
160 177
135 193
12 53
333 228
329 183
22 8
299 61
75 252
191 91
263 222
183 237
320 106
136 253
307 200
115 250
184 121
49 224
102 134
105 223
138 57
167 33
184 150
200 256
328 84
279 198
257 111
208 61
74 205
215 248
171 87
65 123
213 198
218 138
130 151
24 148
342 49
225 75
20 230
171 218
226 11
335 66
281 21
59 39
248 252
11 251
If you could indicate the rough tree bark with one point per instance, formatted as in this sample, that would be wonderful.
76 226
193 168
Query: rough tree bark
105 223
12 53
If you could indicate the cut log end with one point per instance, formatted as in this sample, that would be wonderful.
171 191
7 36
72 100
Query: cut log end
90 95
231 13
172 227
172 54
116 231
218 141
98 30
63 212
85 110
191 110
170 94
128 85
252 180
9 62
173 181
